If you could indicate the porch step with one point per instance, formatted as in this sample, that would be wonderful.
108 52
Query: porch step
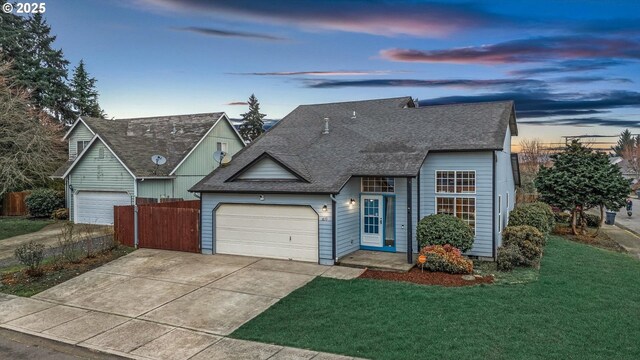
377 260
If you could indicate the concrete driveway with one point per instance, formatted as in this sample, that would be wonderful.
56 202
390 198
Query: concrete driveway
167 305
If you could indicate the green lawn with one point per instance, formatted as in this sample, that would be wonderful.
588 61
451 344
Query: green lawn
14 226
584 305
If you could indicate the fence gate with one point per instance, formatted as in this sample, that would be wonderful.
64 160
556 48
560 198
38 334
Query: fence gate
167 226
13 204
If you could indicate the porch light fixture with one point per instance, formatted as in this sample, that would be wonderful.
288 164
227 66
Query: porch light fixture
352 201
71 187
324 208
261 197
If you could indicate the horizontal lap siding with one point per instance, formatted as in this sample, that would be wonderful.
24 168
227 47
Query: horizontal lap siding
481 162
99 174
504 185
348 218
211 200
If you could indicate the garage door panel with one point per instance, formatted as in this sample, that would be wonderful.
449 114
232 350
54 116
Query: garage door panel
283 232
96 207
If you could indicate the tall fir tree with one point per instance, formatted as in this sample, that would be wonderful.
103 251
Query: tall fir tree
46 75
252 125
84 96
625 142
13 49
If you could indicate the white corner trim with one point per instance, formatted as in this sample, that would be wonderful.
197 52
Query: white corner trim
224 115
74 126
86 150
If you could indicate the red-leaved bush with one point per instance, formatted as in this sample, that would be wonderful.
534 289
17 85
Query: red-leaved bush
445 258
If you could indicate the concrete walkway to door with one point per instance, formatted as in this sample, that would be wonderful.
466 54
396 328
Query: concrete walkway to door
154 304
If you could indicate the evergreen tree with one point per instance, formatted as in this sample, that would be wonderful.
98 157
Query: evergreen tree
626 141
252 124
84 98
13 47
581 179
46 75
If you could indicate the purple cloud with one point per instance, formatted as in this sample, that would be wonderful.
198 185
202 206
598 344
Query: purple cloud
237 103
229 34
359 16
452 83
585 122
525 50
321 73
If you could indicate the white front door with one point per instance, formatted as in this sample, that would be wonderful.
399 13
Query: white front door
371 223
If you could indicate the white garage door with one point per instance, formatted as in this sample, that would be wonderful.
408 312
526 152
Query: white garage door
96 207
273 231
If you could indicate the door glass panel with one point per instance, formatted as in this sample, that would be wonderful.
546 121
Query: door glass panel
389 213
371 216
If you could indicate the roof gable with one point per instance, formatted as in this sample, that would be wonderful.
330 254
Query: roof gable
267 167
136 140
78 159
73 128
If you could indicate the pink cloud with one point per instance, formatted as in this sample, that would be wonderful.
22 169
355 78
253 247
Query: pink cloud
522 51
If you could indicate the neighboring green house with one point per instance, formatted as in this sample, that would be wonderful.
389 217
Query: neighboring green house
110 161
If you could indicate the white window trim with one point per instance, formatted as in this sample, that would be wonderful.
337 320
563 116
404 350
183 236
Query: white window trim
455 183
499 214
455 197
223 144
377 192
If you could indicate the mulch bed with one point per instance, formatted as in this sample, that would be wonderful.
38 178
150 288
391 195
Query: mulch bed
418 276
600 240
22 284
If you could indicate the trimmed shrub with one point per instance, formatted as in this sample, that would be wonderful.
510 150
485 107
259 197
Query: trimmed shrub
60 214
562 217
592 220
41 203
445 259
538 215
31 255
509 257
444 229
527 238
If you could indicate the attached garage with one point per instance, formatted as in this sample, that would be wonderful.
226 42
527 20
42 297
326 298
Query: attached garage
96 207
272 231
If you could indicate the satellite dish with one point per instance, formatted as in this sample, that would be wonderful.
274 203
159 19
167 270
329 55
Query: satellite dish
219 156
159 159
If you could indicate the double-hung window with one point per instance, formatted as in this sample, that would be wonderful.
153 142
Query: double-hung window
80 146
455 194
222 146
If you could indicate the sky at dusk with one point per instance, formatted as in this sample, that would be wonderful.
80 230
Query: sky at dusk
572 67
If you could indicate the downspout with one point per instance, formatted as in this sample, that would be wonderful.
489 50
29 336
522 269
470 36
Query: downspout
493 199
199 196
135 213
409 221
333 228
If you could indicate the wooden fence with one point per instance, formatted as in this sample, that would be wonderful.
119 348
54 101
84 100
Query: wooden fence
167 226
13 204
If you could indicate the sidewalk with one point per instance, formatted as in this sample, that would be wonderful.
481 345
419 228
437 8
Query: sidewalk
625 237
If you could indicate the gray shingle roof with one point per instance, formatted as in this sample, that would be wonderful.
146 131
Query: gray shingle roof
135 140
387 137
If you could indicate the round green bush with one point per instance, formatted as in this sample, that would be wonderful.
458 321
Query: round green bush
444 229
538 215
43 202
509 257
527 238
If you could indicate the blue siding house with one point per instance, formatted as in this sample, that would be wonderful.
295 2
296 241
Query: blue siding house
331 179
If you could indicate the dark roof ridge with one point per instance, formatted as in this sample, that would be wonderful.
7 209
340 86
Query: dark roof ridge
358 101
156 116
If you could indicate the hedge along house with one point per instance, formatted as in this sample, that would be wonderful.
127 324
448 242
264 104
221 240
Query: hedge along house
110 161
330 179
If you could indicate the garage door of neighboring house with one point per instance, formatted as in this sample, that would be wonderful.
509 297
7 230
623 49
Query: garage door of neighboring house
96 207
272 231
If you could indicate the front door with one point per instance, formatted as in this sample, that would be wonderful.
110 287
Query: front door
371 228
